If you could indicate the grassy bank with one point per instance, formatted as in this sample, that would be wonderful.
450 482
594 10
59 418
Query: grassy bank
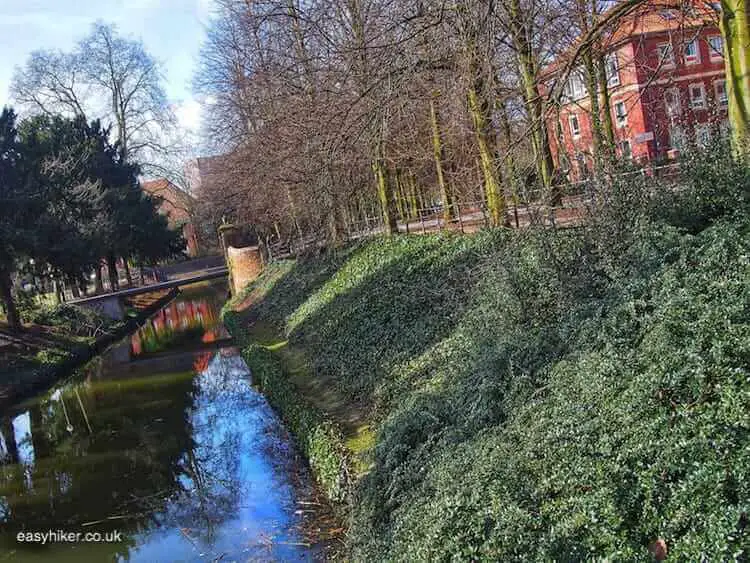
57 339
542 395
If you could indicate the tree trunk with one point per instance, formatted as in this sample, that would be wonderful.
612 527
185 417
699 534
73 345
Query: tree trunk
606 112
98 282
493 194
293 212
114 283
437 151
73 283
385 196
10 440
532 99
6 294
58 289
597 133
384 188
128 275
735 27
511 176
400 209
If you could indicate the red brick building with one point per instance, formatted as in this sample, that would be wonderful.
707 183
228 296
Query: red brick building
666 80
176 205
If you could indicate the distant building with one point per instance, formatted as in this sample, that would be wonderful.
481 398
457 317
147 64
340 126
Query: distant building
204 171
207 178
176 205
667 86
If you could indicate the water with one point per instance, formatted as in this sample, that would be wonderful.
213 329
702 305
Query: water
162 441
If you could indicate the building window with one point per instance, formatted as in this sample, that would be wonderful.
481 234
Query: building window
720 87
703 135
575 126
672 102
575 89
666 54
697 96
716 48
612 69
692 53
625 149
677 137
621 114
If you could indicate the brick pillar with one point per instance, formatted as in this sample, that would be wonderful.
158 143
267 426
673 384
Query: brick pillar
245 265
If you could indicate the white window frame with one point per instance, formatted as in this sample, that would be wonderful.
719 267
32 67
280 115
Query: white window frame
703 104
675 109
613 77
574 132
713 54
665 61
575 88
703 129
692 59
722 101
621 121
677 140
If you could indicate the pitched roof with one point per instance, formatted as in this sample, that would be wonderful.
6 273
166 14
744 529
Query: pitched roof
166 190
662 16
650 17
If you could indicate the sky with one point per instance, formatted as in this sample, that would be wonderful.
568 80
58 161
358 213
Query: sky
172 31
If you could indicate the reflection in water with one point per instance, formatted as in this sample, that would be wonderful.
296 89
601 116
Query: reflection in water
188 465
185 320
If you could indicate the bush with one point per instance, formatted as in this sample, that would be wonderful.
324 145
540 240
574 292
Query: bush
74 320
547 395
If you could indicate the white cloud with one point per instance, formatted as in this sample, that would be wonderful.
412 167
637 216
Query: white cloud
189 115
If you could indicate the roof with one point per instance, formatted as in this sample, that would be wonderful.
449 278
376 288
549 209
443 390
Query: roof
651 17
656 17
168 191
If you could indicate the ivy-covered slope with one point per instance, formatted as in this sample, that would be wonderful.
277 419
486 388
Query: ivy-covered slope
543 395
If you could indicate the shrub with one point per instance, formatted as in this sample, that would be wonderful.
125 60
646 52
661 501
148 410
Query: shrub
547 395
74 320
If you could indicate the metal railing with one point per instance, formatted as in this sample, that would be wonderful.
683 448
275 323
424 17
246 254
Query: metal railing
531 207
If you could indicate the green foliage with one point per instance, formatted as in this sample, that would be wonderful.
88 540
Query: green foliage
68 199
547 395
715 184
320 440
74 320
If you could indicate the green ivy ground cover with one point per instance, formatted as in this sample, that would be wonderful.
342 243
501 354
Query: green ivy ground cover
545 395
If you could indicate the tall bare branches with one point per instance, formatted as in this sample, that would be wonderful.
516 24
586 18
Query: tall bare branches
105 77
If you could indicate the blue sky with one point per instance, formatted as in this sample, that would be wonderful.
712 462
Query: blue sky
172 31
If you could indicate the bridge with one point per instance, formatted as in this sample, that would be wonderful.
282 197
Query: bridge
113 304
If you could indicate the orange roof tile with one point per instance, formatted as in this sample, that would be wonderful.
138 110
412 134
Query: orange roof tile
650 17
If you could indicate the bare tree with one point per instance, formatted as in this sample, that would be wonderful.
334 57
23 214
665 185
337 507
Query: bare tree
107 77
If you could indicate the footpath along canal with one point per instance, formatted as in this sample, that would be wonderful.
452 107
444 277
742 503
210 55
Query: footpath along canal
161 446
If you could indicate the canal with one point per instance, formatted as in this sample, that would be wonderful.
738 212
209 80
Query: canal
162 447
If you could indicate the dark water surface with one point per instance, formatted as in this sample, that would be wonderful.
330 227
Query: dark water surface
162 440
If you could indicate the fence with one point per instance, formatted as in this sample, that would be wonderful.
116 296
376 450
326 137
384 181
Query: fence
529 208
